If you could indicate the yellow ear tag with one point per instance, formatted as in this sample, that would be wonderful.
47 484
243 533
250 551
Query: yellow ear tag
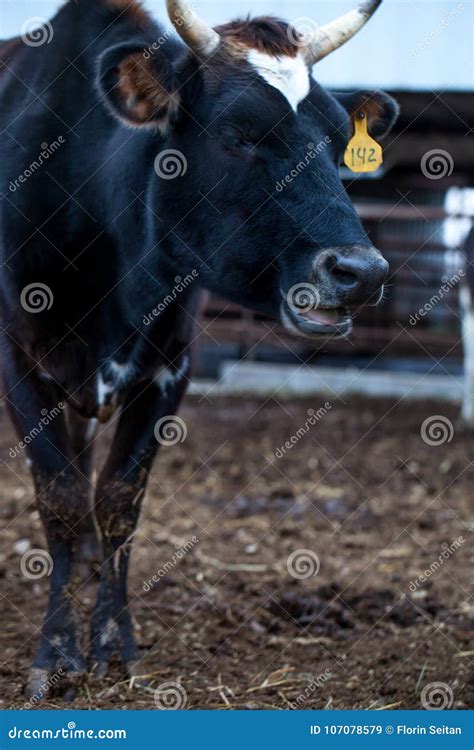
363 154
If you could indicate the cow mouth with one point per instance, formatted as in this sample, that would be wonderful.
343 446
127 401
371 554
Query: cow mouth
316 322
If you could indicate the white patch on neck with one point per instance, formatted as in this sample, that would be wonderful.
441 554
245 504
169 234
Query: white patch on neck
104 390
166 377
290 75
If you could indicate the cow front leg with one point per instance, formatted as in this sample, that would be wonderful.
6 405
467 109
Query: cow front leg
61 511
38 413
82 434
119 496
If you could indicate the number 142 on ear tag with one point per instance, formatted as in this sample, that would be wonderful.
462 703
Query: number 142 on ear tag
362 154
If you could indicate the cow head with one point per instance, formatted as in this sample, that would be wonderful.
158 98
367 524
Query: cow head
254 143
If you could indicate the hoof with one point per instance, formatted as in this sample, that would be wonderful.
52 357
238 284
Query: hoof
37 687
99 670
42 683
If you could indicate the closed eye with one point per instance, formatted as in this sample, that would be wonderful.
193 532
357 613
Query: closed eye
238 141
247 141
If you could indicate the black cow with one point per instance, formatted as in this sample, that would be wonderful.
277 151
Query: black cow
94 233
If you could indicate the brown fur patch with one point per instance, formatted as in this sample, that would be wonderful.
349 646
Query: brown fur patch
142 91
372 107
265 34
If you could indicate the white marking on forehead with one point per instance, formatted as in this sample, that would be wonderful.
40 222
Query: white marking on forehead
289 75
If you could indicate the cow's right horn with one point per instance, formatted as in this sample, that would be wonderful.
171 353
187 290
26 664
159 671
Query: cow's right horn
197 34
338 32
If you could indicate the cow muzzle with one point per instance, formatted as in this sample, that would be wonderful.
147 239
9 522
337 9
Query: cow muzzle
343 280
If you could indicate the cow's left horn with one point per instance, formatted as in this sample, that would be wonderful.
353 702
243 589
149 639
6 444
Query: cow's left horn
338 32
197 34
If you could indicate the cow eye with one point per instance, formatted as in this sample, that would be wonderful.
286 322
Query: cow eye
247 141
235 139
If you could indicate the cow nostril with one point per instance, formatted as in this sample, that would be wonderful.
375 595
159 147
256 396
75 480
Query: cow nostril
345 278
341 274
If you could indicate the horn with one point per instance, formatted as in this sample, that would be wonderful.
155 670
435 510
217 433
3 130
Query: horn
338 32
194 32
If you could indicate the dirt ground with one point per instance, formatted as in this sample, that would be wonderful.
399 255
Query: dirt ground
371 501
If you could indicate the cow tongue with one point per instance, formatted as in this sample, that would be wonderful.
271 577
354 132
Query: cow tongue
325 317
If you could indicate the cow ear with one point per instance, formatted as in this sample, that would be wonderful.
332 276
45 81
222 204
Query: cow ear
381 110
138 86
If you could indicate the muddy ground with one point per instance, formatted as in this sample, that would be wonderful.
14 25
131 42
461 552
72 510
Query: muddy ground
361 490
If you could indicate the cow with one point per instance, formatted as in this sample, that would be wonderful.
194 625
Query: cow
132 160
